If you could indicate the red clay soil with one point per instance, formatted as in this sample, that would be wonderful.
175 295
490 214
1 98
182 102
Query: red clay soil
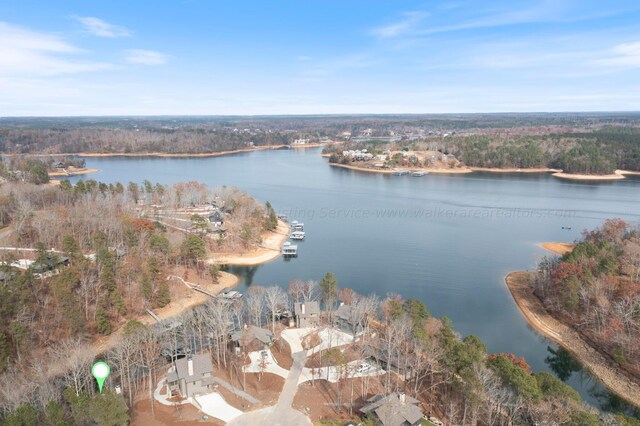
311 340
318 400
184 415
282 353
265 389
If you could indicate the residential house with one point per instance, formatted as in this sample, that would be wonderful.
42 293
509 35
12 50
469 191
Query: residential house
49 263
216 218
191 376
307 314
345 319
252 337
395 409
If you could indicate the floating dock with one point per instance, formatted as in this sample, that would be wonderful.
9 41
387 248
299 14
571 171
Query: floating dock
418 174
289 250
297 235
401 172
297 226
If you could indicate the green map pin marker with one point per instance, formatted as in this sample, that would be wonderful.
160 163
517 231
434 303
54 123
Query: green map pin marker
100 371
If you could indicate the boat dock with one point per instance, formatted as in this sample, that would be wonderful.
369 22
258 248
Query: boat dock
289 250
401 172
297 235
297 226
419 174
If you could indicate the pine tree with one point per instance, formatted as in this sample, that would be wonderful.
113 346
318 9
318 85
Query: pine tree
102 321
164 295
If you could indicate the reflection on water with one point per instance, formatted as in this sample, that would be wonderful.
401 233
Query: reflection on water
562 363
567 368
443 239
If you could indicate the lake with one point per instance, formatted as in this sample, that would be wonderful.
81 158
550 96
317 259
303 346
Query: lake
447 240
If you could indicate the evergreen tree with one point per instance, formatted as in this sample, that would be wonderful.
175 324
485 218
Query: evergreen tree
164 295
102 321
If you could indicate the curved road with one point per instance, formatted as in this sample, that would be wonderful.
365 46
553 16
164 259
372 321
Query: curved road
281 414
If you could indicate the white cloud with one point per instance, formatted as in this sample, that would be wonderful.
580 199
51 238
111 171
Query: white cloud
24 52
100 28
407 24
625 54
146 57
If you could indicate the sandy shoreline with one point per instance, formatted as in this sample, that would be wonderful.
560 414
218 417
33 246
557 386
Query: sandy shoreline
515 170
270 249
539 319
571 176
73 171
557 247
391 171
177 307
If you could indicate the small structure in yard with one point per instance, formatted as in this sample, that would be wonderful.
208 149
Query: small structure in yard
252 338
191 376
395 409
307 314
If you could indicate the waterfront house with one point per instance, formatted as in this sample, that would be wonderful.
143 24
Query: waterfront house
191 376
307 314
252 337
395 409
345 319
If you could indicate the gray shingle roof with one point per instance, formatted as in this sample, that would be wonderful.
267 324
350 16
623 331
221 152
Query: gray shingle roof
310 308
392 411
201 365
253 332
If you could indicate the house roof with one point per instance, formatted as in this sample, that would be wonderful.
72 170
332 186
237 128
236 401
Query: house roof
201 364
310 308
253 332
391 410
343 312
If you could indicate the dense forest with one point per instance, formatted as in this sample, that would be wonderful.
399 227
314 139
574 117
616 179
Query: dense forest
576 143
597 152
596 289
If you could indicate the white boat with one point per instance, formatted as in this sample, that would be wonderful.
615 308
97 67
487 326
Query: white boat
418 174
297 226
297 235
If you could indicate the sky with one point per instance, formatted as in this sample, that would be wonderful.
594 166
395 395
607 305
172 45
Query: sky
205 57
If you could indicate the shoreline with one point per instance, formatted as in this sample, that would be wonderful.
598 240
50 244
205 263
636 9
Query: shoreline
186 155
572 176
175 308
515 170
557 247
270 249
615 379
391 171
73 172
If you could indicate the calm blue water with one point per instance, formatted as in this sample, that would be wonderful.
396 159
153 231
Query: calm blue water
447 240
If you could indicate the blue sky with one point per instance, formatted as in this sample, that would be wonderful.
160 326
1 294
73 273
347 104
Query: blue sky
76 57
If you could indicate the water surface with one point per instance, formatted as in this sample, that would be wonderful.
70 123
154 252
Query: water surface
447 240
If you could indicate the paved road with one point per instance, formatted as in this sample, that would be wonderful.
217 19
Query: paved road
281 414
236 391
